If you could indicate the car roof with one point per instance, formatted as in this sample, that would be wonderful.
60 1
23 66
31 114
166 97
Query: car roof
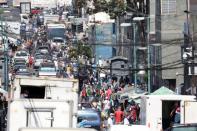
58 38
48 64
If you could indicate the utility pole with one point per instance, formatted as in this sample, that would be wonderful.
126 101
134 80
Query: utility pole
134 55
4 41
188 56
5 65
148 54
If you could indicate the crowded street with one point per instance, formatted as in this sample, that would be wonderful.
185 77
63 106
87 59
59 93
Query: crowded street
98 65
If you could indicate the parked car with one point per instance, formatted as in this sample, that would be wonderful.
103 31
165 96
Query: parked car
22 54
38 59
23 73
47 69
19 66
58 41
43 49
19 60
88 118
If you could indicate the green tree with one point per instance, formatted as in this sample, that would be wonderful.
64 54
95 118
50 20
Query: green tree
112 7
79 50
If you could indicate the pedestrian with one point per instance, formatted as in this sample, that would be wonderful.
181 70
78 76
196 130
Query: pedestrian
83 94
119 114
126 119
110 120
106 105
105 124
176 113
109 92
133 114
30 61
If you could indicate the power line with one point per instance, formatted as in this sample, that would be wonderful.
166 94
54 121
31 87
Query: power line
132 69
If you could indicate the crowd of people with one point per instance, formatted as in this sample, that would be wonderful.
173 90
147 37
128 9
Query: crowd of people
106 96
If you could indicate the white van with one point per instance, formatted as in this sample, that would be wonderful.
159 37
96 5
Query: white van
155 110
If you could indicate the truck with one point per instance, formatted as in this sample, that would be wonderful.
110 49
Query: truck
56 30
44 102
155 110
50 18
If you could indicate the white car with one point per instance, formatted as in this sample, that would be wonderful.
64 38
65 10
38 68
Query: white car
22 55
47 69
38 60
58 41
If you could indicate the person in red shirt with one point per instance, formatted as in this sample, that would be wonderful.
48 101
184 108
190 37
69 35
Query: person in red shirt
31 60
83 94
119 115
109 92
133 114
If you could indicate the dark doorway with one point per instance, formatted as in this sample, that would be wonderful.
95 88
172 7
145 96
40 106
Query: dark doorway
167 108
33 91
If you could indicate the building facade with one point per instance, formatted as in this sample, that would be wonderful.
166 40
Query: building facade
169 18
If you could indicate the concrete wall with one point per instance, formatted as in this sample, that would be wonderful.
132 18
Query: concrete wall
172 29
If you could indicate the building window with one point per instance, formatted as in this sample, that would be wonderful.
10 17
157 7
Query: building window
122 66
168 7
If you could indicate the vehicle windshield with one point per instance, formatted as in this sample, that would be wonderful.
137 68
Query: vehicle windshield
20 64
43 47
19 61
56 32
39 57
21 54
47 69
87 117
58 40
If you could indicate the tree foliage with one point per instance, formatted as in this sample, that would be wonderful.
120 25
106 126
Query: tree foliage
112 7
80 50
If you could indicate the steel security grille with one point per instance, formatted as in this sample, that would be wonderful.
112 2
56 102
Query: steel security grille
168 7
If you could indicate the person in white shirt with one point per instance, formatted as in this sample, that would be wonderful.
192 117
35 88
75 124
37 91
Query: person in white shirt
126 120
106 105
110 120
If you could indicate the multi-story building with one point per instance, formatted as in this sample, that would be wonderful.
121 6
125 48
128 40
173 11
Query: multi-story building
102 35
167 23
